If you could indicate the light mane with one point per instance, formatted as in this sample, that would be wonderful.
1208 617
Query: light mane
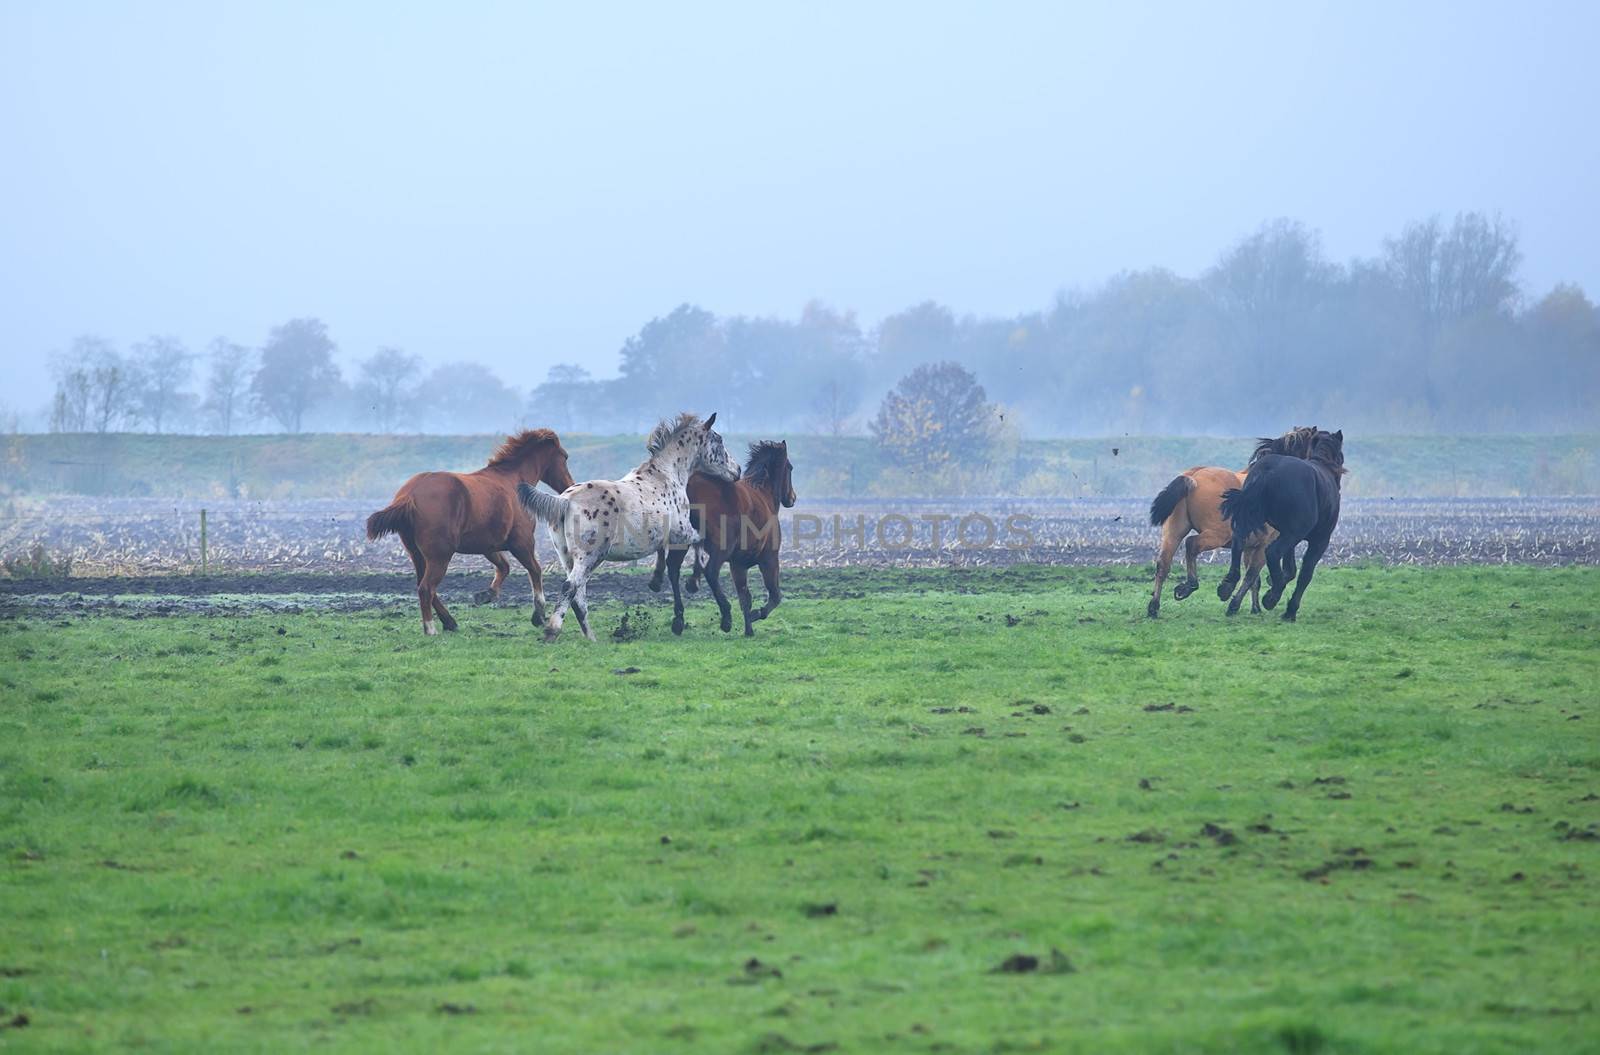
668 429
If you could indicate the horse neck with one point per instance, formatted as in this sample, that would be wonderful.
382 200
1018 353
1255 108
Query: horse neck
529 469
676 461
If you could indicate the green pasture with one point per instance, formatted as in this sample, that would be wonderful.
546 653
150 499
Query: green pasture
917 812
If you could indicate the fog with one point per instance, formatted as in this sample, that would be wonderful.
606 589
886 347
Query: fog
1154 219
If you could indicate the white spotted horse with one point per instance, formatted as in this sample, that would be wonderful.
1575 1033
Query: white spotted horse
623 520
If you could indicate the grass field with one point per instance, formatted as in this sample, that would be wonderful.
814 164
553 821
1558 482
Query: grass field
1374 831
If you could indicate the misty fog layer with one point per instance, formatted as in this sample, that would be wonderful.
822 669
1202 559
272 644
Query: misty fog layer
1434 333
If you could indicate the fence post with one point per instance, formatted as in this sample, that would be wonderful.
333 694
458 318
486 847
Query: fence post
204 564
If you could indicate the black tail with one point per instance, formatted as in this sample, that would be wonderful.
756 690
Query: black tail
391 519
1169 498
1243 507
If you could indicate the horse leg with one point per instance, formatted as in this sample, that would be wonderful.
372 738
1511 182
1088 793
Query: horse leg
1169 545
580 606
1315 548
1278 554
502 568
1191 582
569 590
1225 587
524 556
437 566
661 569
769 577
714 580
693 585
674 570
1257 558
741 583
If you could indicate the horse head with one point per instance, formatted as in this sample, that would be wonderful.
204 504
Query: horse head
768 466
713 458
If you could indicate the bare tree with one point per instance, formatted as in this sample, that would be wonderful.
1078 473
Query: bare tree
386 385
164 366
297 372
227 383
833 405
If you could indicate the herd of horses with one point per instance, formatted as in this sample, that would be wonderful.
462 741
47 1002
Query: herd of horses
690 496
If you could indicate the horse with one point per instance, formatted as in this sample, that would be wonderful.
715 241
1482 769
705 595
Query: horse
1190 503
1299 497
623 520
738 525
440 514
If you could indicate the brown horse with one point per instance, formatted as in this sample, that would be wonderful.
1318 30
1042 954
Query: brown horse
438 515
1192 502
738 525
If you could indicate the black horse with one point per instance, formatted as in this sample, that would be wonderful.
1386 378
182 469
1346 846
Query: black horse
1300 498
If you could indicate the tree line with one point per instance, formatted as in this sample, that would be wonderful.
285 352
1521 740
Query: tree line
1435 333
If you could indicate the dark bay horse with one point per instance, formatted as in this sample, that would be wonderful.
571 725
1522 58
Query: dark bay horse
439 514
1299 497
1189 512
738 525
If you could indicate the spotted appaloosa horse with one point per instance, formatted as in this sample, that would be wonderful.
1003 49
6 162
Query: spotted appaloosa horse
738 524
623 520
438 515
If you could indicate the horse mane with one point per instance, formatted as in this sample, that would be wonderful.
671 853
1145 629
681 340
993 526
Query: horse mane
515 448
1328 453
1296 443
763 462
667 429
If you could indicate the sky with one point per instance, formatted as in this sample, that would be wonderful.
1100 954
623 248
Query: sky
526 184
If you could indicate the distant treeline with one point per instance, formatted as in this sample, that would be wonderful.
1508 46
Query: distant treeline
368 468
1433 334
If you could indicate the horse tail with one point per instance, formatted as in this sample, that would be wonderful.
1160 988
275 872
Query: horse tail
1169 498
1243 507
542 505
392 519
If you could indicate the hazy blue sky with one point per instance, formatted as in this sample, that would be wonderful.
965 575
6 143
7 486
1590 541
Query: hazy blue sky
526 184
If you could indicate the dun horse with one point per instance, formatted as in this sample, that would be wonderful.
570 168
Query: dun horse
438 515
1192 503
738 525
623 520
1299 497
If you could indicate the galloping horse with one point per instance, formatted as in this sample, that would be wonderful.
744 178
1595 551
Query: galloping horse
1299 497
623 520
1191 503
438 515
738 525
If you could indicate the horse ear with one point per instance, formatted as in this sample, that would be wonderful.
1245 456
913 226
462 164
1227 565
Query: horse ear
1339 435
712 420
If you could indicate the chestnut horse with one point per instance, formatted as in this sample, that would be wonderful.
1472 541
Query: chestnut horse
738 525
1192 502
438 515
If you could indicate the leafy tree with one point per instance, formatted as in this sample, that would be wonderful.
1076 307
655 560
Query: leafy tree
297 372
937 416
675 362
165 366
386 388
469 398
568 399
227 383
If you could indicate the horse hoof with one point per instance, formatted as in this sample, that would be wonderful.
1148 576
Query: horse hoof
550 635
484 597
692 586
727 625
538 616
1153 609
677 627
749 631
1270 601
429 630
1233 610
1184 589
1288 617
654 585
1225 588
